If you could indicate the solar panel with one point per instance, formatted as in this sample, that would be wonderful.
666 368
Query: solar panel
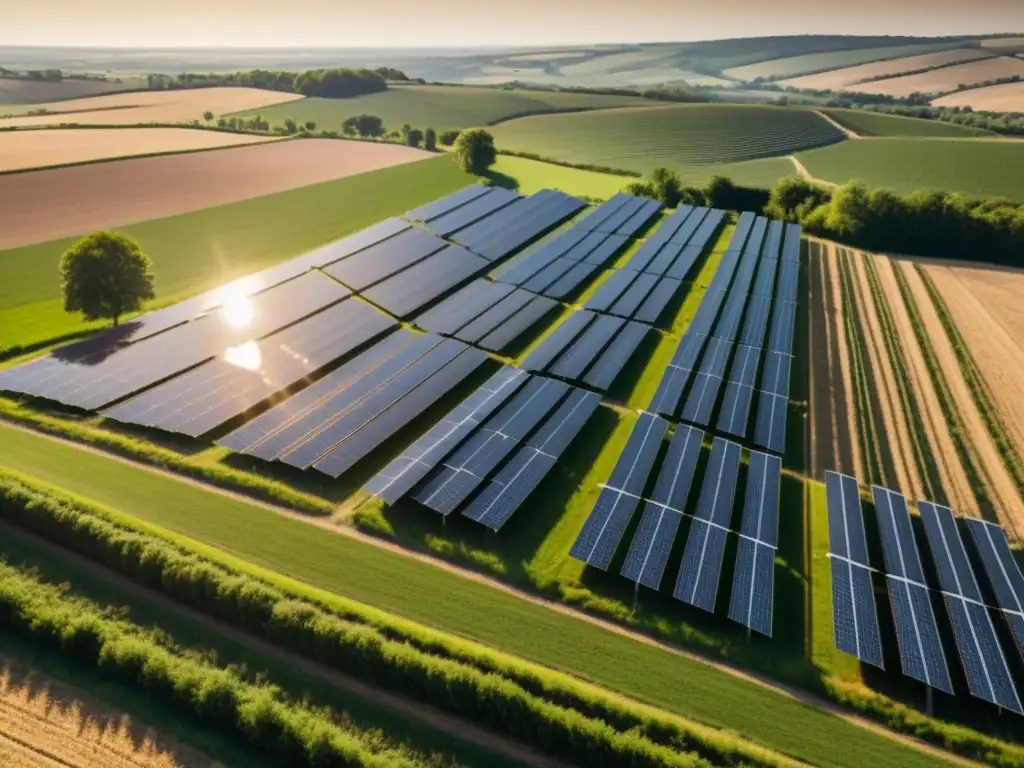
518 324
643 256
755 323
657 300
846 535
685 262
700 403
647 211
404 293
446 203
719 486
664 259
757 232
450 484
472 211
652 543
770 427
613 359
753 586
697 583
572 363
707 311
401 475
521 268
616 284
1002 572
789 281
508 229
988 675
585 246
463 306
384 259
728 324
742 231
634 296
707 228
208 396
764 283
716 357
677 374
601 533
600 214
321 257
517 480
622 216
744 365
735 412
689 349
761 503
899 547
775 376
571 280
687 232
791 244
497 314
553 346
854 616
606 250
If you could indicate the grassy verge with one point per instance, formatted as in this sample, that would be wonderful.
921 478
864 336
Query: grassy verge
976 382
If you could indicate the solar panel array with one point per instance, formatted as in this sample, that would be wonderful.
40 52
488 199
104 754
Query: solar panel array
588 348
446 219
338 420
855 617
1002 572
448 203
490 315
560 266
759 269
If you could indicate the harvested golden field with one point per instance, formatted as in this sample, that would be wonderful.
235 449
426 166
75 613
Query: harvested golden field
838 79
1008 97
20 150
151 107
48 204
946 78
44 724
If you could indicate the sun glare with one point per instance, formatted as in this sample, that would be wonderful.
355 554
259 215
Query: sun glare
245 356
237 311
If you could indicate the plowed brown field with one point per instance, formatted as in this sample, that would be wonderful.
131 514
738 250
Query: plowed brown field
151 107
837 79
44 724
48 204
945 79
1008 97
20 150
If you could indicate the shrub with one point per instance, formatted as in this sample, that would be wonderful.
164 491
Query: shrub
474 151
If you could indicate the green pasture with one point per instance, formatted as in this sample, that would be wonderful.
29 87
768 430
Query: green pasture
792 66
529 176
691 137
438 106
975 167
868 123
195 251
452 603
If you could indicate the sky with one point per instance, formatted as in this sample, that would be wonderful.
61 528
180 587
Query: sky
447 23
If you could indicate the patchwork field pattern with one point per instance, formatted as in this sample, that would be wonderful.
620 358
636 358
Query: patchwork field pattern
820 62
1008 97
945 78
838 79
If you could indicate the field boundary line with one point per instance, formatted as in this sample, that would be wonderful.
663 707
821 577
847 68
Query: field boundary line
802 696
850 133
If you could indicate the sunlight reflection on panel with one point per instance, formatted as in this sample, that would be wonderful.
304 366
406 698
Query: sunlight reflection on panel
245 356
237 311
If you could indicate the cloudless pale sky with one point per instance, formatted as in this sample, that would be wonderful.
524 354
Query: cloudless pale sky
422 23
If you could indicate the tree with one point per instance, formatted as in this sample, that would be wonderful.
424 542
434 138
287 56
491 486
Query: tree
290 126
430 140
207 116
364 125
667 186
414 137
474 150
448 137
105 275
310 125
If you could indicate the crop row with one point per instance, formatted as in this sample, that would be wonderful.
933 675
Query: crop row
553 712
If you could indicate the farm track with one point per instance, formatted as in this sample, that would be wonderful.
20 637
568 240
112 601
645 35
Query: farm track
901 451
850 134
796 694
956 488
45 724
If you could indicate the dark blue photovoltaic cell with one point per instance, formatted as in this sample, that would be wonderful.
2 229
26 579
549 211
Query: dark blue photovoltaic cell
686 234
648 553
463 306
616 284
700 403
380 261
664 259
672 488
499 312
631 300
521 268
327 254
671 225
719 485
670 390
755 322
473 211
549 275
921 654
688 350
899 547
399 477
609 365
657 300
756 238
716 357
707 228
396 416
742 232
572 363
637 459
510 228
770 427
775 377
1016 622
707 311
553 346
854 615
451 484
753 586
404 293
446 203
735 412
643 256
600 214
791 243
988 675
761 503
685 262
647 211
846 535
773 242
699 573
584 247
518 324
625 212
951 562
764 283
728 324
249 435
789 280
744 365
999 565
564 286
606 250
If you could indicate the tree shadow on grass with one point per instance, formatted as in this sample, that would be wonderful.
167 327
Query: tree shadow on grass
497 179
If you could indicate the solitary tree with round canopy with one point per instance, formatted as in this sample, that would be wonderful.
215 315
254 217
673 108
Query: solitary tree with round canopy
474 149
105 275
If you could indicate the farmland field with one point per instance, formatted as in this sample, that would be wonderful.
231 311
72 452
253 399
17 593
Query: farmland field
198 250
21 150
530 176
945 78
436 106
819 62
16 91
1008 97
868 123
839 79
148 107
976 167
676 136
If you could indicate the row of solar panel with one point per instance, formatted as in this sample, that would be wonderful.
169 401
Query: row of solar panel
664 509
588 348
676 245
496 446
468 212
622 214
448 203
635 295
922 656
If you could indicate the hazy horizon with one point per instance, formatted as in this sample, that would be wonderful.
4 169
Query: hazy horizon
412 24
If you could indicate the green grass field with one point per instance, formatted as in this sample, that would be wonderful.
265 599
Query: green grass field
529 176
692 136
439 106
820 62
451 603
868 123
195 251
974 167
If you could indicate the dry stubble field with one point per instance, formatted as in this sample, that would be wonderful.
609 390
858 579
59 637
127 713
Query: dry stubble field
49 204
22 150
945 78
44 724
837 79
150 107
1008 97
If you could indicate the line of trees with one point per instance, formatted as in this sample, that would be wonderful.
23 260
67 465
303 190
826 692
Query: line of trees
326 83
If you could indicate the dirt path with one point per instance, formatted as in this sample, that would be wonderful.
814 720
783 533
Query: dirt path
44 724
849 133
897 445
793 693
803 173
954 480
1001 488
